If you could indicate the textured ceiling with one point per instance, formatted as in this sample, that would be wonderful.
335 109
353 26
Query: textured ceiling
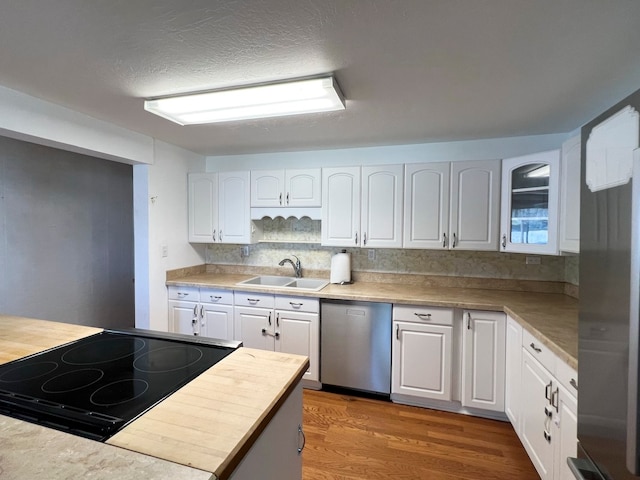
412 71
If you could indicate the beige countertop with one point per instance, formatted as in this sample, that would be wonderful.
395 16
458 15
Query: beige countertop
174 439
550 317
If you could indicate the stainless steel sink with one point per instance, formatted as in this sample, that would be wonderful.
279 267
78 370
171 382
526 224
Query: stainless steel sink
289 283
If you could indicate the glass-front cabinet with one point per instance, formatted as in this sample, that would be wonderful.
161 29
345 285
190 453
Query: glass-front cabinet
529 214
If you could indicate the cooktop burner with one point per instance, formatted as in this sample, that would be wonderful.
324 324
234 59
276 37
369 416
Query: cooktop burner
94 386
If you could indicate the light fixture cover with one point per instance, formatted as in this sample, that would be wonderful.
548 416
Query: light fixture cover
259 101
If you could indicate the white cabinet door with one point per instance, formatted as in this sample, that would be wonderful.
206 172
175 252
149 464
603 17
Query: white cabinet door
475 205
216 321
570 196
426 205
267 188
203 207
340 206
381 214
483 357
183 317
234 213
566 435
535 425
421 360
530 196
299 333
513 364
254 327
302 188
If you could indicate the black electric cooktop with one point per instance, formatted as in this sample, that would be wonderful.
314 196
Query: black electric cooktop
95 386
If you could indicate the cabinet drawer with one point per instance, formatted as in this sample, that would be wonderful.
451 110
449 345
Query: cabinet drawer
191 294
421 314
567 376
299 304
209 295
539 351
250 299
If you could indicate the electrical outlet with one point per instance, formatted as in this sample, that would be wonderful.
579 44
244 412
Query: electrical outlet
533 261
165 251
244 251
372 254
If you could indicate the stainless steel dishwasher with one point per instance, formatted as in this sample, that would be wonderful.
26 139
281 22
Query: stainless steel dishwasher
355 339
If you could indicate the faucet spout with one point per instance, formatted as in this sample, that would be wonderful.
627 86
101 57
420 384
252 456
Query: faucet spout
297 267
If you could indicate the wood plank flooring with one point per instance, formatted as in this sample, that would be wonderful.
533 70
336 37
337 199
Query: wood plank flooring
353 438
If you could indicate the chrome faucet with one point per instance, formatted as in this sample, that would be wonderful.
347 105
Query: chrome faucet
296 266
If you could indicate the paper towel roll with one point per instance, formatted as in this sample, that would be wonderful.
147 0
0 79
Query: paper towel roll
341 268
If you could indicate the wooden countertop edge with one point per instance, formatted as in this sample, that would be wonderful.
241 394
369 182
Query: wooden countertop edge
229 282
227 468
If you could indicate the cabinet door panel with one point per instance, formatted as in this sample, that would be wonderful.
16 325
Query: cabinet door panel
303 188
267 188
217 321
248 325
483 356
382 195
203 207
426 205
234 211
341 206
422 357
475 205
182 316
299 334
512 373
533 423
567 433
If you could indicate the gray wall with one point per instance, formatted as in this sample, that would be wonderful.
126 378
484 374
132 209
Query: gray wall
66 236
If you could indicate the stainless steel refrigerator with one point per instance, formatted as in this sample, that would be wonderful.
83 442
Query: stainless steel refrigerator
608 425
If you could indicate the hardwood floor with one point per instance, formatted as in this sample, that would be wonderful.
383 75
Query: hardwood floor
351 438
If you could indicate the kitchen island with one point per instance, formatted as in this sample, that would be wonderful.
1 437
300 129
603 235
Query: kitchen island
204 430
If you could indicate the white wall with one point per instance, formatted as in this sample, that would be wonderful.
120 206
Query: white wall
493 148
164 202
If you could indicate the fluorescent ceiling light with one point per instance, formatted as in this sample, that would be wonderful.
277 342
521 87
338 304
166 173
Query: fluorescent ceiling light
260 101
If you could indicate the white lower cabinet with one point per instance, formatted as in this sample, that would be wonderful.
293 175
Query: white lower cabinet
277 453
548 410
280 323
483 359
422 352
205 312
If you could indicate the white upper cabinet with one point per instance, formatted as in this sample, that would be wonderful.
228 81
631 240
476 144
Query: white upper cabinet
452 205
426 205
382 195
286 188
570 196
203 207
340 206
530 196
475 203
234 214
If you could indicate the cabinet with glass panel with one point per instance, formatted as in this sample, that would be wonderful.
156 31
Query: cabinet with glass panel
529 214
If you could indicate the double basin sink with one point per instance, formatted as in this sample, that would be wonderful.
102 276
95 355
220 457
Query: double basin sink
292 283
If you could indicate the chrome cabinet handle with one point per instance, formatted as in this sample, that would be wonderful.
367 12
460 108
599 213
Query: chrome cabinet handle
573 383
220 235
269 319
444 240
356 238
287 198
455 241
547 436
274 335
182 294
214 235
535 349
280 199
397 332
277 320
195 310
547 391
253 301
364 238
504 241
304 439
215 298
468 320
423 316
296 305
554 398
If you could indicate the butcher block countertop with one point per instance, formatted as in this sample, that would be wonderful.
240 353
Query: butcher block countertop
550 317
200 432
